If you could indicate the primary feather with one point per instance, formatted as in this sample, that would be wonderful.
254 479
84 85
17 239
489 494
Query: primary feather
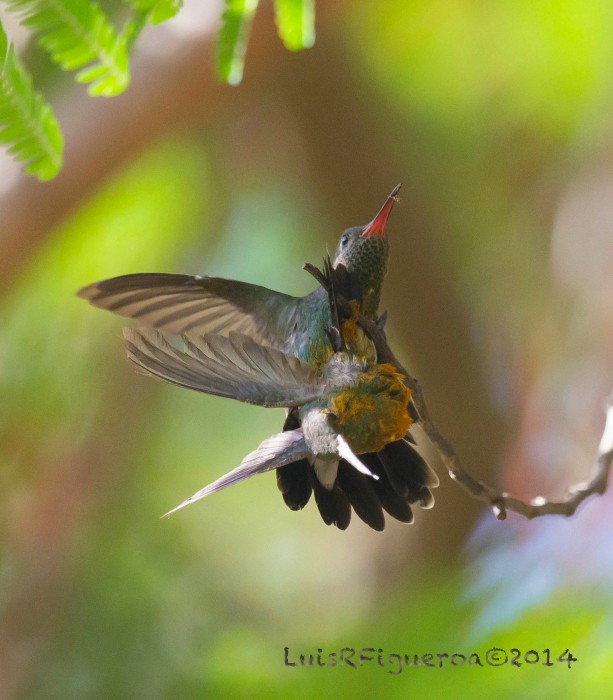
235 367
191 303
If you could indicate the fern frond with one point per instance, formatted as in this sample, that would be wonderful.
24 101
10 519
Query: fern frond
296 23
27 124
76 33
232 39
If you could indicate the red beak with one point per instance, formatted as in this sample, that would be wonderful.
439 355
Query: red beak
377 226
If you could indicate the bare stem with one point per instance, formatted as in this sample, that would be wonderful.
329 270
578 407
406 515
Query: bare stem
500 503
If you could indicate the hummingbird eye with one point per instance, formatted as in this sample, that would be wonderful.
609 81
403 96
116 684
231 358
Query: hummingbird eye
344 240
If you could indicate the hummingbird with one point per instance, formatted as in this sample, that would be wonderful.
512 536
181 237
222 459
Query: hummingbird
351 414
299 327
176 303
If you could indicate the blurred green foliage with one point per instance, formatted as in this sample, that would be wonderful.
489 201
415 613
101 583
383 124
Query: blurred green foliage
27 125
488 107
80 34
499 87
154 199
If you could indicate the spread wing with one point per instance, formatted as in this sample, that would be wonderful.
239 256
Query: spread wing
184 303
275 451
235 367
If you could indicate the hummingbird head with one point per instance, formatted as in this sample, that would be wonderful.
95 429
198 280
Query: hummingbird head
364 251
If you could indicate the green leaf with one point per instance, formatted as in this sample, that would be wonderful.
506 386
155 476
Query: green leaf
147 12
76 33
133 27
232 39
27 124
157 10
296 23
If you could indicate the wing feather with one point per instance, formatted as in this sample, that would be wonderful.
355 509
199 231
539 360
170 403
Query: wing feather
276 451
235 367
184 303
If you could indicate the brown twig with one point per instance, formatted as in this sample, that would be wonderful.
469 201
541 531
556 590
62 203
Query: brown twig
500 503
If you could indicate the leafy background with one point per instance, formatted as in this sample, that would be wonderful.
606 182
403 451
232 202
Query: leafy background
496 118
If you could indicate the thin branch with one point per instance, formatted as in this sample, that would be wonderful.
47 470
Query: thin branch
500 503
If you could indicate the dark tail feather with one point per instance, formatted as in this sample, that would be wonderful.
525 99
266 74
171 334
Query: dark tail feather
393 504
361 495
404 478
408 473
333 505
295 484
393 468
419 476
294 480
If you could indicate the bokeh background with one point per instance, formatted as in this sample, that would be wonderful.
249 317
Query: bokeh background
497 119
